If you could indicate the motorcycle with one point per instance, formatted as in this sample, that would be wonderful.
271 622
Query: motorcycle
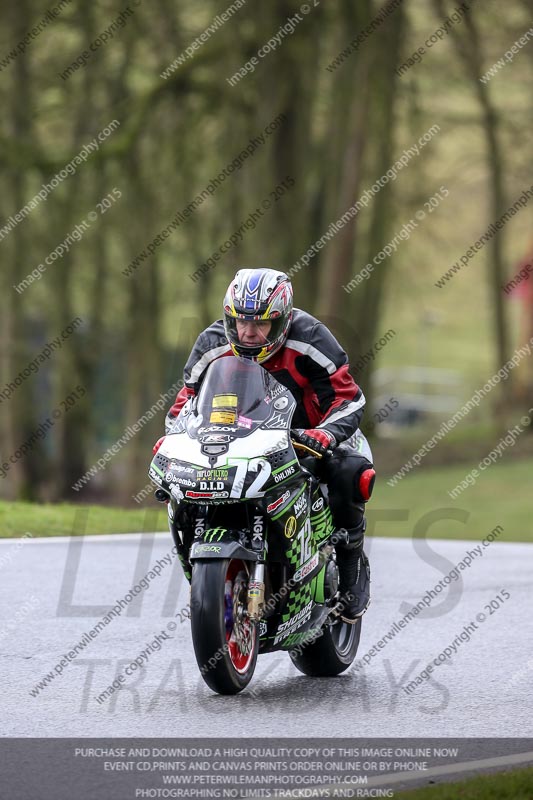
252 528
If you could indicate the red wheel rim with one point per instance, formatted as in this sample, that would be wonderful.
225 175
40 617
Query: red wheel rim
240 637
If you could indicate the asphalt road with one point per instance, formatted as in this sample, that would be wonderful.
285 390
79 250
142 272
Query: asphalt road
49 590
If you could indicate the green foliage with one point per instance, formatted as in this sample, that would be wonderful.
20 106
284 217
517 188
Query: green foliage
514 785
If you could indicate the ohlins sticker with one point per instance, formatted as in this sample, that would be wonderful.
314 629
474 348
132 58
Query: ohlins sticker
284 474
279 502
290 527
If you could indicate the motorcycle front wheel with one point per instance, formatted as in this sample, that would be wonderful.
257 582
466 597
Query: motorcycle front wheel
226 642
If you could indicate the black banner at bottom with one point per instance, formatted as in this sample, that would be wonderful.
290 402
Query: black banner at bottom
127 769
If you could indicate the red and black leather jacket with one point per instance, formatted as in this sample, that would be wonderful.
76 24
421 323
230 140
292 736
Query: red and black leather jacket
312 364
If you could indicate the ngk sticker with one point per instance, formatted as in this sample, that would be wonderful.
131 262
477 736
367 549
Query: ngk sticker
300 505
258 529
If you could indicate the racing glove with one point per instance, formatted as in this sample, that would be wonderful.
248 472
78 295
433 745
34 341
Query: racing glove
316 441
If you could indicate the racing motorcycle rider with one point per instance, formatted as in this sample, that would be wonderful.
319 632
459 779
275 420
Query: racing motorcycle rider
260 323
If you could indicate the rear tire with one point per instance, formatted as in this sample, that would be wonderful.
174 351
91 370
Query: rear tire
332 653
225 642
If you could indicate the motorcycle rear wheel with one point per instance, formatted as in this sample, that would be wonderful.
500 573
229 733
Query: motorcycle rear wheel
330 654
225 642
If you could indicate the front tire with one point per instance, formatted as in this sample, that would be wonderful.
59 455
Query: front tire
225 642
332 653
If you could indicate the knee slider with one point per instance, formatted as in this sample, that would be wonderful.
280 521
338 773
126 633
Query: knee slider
364 480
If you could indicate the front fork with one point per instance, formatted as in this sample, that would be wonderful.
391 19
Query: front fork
256 592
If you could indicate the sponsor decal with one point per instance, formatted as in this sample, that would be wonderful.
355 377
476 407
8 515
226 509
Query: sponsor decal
318 504
176 493
244 422
290 527
218 429
287 627
263 627
216 438
255 588
206 495
181 468
184 481
214 534
277 390
213 474
257 533
308 567
199 530
155 477
279 502
300 505
206 548
281 403
225 417
225 401
285 473
210 486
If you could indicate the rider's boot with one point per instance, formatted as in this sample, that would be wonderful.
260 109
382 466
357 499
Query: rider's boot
354 570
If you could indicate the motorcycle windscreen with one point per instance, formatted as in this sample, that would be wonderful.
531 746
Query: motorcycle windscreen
238 397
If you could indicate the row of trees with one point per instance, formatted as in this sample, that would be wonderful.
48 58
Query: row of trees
338 131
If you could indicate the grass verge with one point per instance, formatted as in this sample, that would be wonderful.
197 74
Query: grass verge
515 785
